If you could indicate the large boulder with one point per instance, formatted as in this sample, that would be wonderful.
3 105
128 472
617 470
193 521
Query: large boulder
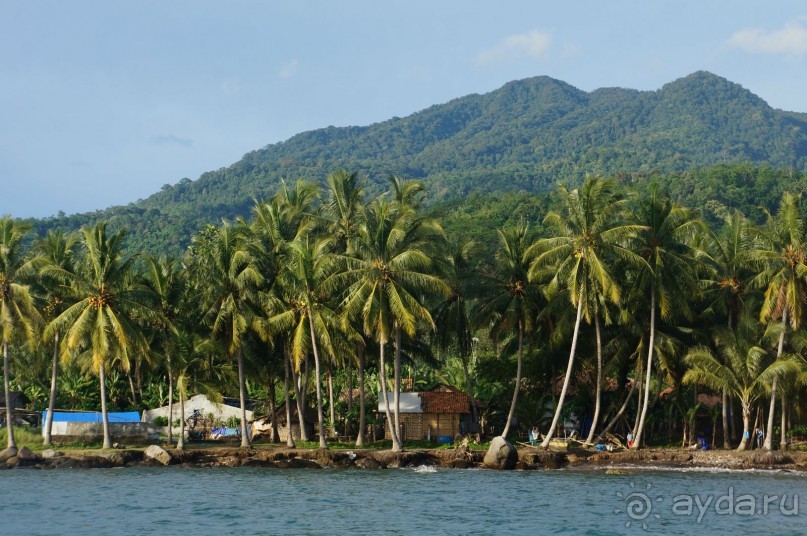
156 452
10 452
50 453
501 454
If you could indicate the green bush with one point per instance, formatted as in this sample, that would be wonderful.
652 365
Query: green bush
161 421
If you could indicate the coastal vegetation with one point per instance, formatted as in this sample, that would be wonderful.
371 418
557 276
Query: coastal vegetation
558 312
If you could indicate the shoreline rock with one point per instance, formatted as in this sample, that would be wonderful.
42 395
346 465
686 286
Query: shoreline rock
526 458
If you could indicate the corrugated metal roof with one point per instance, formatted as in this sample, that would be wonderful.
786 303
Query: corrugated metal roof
92 416
409 403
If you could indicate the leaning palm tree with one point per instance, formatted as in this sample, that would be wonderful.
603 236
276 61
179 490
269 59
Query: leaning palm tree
227 290
57 248
99 322
509 302
588 238
18 316
782 255
668 273
742 366
387 275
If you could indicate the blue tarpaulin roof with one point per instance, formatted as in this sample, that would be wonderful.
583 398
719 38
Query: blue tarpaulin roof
92 416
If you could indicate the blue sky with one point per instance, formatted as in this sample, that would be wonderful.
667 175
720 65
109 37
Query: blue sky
103 102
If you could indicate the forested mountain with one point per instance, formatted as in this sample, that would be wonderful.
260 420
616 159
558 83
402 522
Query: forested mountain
528 135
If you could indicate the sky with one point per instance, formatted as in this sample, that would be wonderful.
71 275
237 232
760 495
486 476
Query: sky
104 102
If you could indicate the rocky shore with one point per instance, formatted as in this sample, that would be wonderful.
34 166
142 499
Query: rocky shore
458 458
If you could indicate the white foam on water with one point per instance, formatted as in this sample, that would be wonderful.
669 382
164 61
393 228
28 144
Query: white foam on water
425 469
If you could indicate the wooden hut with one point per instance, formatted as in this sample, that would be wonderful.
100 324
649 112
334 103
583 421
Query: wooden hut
442 411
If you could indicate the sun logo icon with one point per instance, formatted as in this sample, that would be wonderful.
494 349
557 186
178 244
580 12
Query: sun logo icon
638 506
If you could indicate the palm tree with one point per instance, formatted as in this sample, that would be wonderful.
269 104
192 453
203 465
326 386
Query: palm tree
228 296
18 317
728 276
57 249
452 315
741 367
99 323
314 325
668 272
164 278
388 274
509 302
782 254
588 238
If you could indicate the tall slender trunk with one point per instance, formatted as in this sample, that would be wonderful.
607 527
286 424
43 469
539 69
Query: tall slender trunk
733 419
331 407
289 435
52 400
272 409
772 410
304 380
396 386
567 379
349 385
297 381
104 415
362 416
652 342
618 413
323 444
724 409
132 387
725 413
598 394
469 388
181 438
382 380
783 429
170 402
512 411
12 444
746 441
242 393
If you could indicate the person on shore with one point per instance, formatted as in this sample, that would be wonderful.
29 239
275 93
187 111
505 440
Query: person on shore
534 436
760 437
629 440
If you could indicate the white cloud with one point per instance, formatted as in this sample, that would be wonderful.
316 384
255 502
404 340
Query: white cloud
289 69
791 40
532 44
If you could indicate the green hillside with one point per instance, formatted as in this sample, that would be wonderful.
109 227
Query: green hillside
528 135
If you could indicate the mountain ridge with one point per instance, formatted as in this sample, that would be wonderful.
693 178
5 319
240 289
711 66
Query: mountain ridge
527 135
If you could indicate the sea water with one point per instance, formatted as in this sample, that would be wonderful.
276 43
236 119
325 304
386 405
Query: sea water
177 500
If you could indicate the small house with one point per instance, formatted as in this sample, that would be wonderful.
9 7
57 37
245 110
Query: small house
442 411
201 403
124 426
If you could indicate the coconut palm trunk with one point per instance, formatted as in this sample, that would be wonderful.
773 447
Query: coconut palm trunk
382 380
331 406
181 438
469 389
772 410
783 428
296 382
104 415
725 415
272 409
619 413
746 440
598 393
362 415
323 444
512 411
289 435
569 368
242 393
170 402
48 441
646 403
396 389
12 444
